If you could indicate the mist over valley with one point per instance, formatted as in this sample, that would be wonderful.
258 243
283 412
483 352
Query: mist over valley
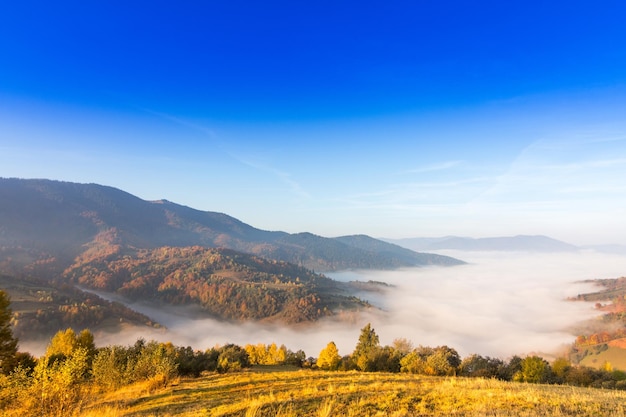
166 272
499 304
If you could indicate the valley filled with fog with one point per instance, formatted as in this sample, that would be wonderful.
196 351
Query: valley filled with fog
499 304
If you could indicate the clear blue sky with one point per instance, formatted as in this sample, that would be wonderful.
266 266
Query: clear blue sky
394 119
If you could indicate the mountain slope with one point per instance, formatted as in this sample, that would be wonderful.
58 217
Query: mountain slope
395 252
60 218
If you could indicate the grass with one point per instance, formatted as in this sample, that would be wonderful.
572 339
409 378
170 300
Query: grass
616 356
324 394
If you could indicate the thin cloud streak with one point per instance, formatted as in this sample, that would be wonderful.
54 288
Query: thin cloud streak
284 177
434 167
185 123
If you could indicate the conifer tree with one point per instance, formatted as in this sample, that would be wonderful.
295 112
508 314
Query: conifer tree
366 348
8 343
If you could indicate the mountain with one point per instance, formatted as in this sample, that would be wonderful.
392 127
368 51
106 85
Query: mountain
513 243
63 218
59 238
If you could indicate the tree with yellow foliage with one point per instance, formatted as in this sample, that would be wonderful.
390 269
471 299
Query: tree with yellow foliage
329 358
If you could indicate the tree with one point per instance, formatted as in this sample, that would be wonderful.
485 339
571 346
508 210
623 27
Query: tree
232 358
296 358
482 367
57 385
415 361
65 342
443 361
62 343
8 343
329 358
385 359
112 367
534 369
560 367
403 346
366 348
85 340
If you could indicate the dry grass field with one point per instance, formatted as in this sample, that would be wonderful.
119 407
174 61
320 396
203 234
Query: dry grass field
319 394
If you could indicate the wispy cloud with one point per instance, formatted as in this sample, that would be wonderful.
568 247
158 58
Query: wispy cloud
433 167
283 176
183 122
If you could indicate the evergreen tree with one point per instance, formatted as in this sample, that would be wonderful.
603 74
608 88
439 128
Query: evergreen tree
8 343
365 350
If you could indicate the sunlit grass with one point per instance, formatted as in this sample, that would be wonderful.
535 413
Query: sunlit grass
321 394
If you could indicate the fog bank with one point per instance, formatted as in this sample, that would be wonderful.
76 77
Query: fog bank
499 304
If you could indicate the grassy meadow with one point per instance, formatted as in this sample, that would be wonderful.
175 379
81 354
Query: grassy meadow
276 392
614 355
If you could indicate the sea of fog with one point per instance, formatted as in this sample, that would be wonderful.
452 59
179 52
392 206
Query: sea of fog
499 304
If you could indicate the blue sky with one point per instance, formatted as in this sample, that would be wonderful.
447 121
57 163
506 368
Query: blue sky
394 119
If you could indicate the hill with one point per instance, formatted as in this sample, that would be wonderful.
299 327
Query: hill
311 393
226 284
512 243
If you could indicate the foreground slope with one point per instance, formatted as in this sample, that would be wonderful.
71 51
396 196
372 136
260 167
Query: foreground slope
314 393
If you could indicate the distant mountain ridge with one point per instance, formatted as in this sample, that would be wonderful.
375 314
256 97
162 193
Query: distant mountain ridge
526 243
64 218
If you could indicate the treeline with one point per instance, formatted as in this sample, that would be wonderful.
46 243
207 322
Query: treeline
369 356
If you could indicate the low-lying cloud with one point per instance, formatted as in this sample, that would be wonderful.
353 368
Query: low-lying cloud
499 304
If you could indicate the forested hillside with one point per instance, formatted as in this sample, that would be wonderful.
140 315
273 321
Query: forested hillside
227 284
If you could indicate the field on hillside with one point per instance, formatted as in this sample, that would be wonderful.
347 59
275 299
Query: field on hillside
313 393
614 354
